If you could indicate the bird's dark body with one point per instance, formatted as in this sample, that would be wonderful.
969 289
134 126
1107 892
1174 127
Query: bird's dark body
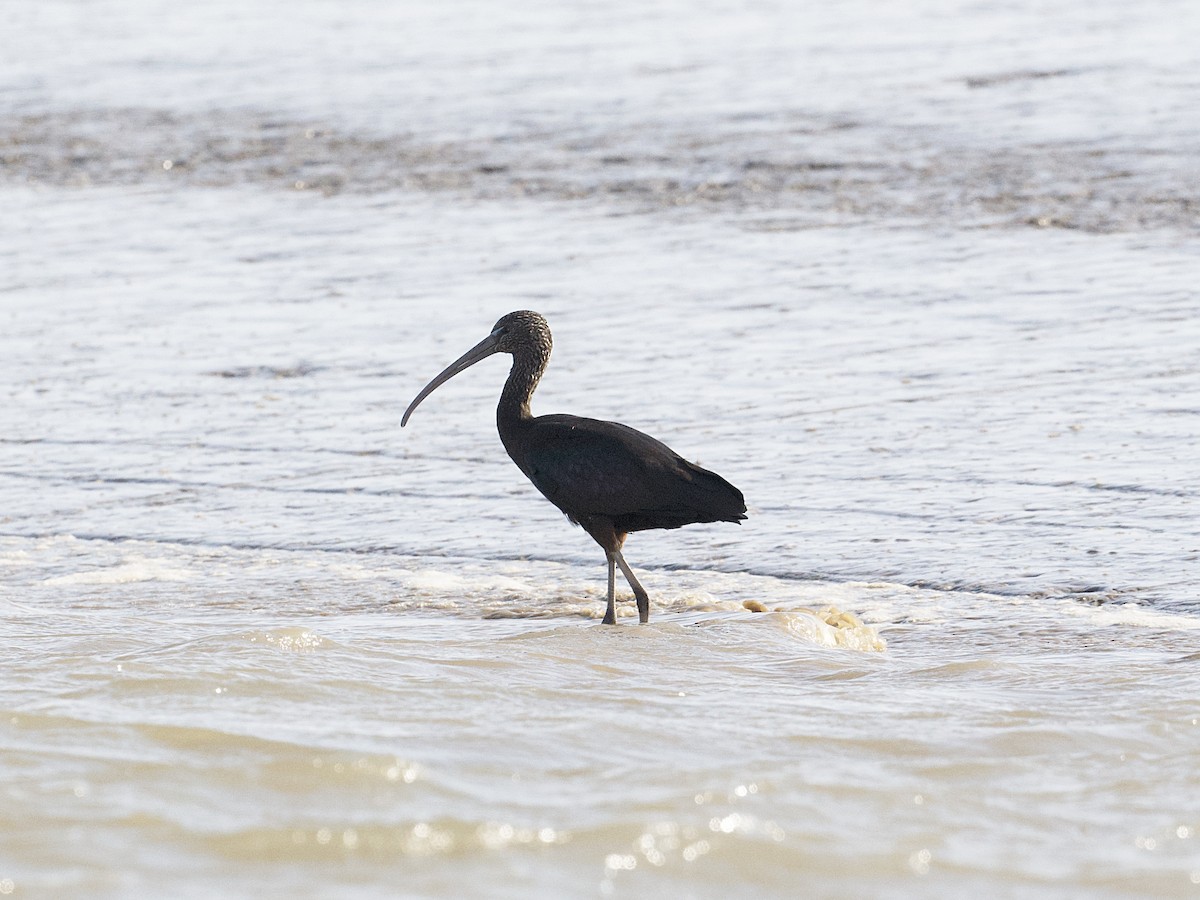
591 469
608 478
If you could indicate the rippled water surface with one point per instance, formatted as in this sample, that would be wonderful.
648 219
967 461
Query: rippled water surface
919 279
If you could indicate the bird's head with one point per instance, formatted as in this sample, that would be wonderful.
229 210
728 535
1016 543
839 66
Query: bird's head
523 333
519 330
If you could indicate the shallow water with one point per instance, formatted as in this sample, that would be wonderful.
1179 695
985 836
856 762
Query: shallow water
922 284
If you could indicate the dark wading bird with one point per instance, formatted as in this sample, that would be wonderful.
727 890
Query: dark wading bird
608 478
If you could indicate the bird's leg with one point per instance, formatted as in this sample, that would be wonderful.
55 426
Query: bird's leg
610 615
643 599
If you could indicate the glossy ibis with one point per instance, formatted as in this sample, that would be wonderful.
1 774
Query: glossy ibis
608 478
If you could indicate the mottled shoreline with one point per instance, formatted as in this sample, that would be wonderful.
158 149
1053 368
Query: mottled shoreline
794 171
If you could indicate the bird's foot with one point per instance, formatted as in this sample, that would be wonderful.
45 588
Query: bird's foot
643 605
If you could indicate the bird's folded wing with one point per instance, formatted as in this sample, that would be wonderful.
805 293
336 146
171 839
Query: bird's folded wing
589 467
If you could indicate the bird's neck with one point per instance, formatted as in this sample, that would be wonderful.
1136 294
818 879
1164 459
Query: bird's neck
513 411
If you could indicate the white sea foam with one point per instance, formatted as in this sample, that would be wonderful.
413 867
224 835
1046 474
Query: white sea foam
131 571
1134 614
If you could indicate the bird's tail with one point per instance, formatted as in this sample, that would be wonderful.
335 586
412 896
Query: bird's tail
717 499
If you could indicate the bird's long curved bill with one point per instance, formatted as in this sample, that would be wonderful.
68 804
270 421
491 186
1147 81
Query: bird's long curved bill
482 350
